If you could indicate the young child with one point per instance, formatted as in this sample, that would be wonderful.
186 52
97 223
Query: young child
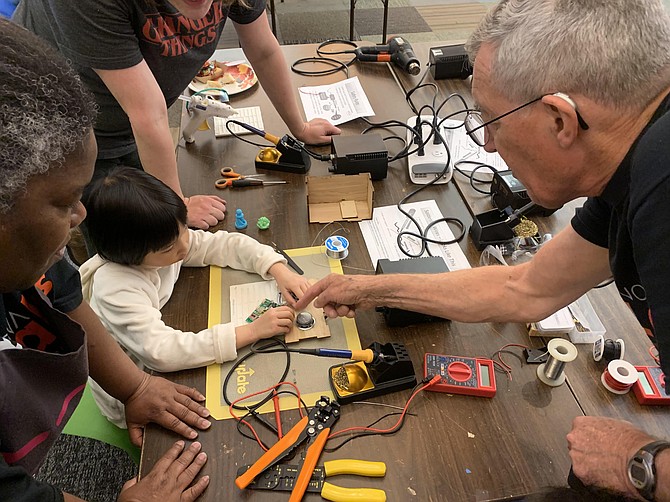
138 226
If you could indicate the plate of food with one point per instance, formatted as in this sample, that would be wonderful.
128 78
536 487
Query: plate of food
231 76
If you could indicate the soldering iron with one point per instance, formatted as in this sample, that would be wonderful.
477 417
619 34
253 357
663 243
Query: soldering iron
397 51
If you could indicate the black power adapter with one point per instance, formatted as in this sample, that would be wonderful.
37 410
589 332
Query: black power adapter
507 191
365 153
424 265
449 61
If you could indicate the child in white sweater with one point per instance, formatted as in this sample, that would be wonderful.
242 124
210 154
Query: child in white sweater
138 227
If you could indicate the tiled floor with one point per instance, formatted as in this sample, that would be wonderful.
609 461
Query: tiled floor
444 19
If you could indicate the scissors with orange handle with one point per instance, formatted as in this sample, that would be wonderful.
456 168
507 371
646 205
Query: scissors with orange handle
229 175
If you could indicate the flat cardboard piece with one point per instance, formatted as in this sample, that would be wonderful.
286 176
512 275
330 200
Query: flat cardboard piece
348 209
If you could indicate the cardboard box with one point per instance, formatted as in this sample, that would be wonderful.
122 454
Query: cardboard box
339 197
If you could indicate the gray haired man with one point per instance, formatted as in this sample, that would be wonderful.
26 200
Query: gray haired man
573 94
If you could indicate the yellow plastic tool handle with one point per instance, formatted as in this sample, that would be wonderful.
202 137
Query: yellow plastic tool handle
339 494
271 455
351 466
365 355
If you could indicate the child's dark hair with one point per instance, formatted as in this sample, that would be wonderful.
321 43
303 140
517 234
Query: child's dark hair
131 214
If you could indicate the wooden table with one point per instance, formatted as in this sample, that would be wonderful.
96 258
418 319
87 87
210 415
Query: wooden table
454 447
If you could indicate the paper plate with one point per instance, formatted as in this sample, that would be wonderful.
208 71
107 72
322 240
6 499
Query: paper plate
241 71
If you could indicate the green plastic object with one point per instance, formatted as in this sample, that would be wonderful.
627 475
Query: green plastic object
88 422
263 223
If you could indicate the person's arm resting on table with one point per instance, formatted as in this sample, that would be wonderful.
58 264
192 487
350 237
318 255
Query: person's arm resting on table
149 120
600 449
146 398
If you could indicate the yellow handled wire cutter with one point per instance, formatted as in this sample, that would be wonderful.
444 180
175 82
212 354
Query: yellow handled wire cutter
282 477
313 430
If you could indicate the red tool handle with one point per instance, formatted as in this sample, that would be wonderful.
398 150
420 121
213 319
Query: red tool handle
272 454
312 457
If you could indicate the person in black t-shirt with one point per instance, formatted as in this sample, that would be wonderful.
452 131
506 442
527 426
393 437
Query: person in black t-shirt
50 340
574 97
137 56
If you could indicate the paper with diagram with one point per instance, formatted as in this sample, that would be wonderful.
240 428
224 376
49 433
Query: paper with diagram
338 103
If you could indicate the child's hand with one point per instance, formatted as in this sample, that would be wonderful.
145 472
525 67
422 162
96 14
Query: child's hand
276 321
291 285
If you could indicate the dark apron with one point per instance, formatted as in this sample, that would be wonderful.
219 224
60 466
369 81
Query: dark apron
40 390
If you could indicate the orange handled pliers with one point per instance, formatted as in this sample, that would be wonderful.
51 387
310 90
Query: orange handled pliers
313 430
281 478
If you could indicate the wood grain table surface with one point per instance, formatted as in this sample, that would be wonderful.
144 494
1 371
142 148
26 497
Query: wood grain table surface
452 447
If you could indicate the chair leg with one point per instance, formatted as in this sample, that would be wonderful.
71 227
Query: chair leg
386 17
273 16
351 19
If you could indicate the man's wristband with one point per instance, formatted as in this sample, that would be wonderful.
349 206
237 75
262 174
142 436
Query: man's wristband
642 470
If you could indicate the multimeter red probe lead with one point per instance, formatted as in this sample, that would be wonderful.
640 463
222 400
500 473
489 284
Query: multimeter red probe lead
472 376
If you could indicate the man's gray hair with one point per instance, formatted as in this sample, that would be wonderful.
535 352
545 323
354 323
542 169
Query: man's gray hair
45 112
616 52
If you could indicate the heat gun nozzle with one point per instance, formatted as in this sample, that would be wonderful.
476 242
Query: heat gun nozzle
413 68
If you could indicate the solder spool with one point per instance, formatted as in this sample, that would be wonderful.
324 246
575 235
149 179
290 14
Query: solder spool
337 247
608 349
619 376
560 352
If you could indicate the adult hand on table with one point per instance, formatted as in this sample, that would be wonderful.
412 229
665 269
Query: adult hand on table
317 132
170 478
204 211
600 449
339 295
175 407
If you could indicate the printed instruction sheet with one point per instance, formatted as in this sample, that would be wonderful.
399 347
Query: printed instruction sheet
381 234
337 103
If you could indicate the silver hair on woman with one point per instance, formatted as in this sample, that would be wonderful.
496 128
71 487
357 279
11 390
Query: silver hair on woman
45 112
616 52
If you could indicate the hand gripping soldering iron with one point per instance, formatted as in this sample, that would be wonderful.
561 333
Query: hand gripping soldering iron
397 51
201 109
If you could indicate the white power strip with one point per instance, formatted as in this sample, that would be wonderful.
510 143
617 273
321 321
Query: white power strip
250 115
427 165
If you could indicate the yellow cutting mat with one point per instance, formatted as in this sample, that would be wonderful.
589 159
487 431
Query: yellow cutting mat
309 373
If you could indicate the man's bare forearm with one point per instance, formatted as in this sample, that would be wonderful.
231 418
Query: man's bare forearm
466 295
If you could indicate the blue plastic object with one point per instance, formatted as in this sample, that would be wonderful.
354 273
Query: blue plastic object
7 7
240 222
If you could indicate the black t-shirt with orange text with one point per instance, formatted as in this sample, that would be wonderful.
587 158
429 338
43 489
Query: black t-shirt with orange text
118 34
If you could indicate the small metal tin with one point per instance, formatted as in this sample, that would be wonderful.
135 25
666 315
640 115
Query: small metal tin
304 321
